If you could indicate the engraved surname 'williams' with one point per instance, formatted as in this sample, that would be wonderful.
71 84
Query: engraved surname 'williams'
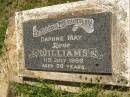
88 53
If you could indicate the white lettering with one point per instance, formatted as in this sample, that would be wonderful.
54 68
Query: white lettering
74 37
86 24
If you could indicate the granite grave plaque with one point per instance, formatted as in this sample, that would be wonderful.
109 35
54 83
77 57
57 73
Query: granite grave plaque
78 44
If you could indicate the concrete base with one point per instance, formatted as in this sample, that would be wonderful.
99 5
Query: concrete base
120 39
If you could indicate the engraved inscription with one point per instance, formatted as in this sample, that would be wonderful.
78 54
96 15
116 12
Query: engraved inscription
69 44
86 24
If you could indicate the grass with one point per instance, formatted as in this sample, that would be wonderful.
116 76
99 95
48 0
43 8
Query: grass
3 24
43 89
8 7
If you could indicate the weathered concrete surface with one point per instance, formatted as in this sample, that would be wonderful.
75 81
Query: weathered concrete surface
8 66
4 89
120 39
